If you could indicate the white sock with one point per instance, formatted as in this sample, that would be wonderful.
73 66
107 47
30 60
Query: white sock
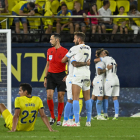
116 115
105 114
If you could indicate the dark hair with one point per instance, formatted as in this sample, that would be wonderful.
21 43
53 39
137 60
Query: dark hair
80 35
26 86
99 51
91 11
57 36
106 52
32 5
122 7
132 7
105 2
63 5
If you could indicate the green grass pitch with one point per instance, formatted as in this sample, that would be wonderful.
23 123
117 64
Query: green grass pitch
122 129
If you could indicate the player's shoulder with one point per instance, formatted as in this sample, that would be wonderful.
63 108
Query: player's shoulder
50 49
36 97
62 48
83 46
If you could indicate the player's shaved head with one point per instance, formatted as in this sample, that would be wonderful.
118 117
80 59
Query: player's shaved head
26 86
99 51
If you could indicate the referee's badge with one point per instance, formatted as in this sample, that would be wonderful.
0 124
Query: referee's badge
50 57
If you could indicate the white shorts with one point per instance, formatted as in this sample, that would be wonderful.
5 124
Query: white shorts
98 87
112 86
83 82
69 88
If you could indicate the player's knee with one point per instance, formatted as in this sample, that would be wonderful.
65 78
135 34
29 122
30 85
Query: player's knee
49 97
61 98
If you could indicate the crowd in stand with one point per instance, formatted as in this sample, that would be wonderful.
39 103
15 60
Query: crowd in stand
74 7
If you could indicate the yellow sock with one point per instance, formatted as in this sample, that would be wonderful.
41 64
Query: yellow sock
80 105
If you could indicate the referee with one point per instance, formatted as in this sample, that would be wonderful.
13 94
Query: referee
55 76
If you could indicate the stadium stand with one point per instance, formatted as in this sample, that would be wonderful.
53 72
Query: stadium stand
39 25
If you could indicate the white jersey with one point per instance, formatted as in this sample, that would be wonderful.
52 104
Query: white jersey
100 65
80 53
110 61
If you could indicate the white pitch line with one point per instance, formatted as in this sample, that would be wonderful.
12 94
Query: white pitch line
91 136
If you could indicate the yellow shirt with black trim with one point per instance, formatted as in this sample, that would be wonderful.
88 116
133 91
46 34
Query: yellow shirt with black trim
28 112
122 19
22 5
65 20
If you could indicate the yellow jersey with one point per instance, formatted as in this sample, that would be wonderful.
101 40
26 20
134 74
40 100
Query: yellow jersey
22 5
28 112
64 20
122 19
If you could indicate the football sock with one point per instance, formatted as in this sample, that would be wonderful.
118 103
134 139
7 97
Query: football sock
67 110
51 107
102 109
105 105
76 110
98 107
80 105
71 113
116 107
60 110
88 109
92 102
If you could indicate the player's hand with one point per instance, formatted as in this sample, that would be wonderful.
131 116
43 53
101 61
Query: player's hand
109 67
64 79
11 131
54 130
45 83
88 62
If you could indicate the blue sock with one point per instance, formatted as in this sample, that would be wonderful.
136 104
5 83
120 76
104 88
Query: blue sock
76 110
98 107
105 105
102 109
92 102
67 110
88 109
71 113
116 106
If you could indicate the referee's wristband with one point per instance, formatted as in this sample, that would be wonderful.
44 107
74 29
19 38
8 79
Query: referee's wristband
106 69
45 77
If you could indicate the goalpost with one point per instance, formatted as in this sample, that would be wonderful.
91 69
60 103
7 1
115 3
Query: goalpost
5 68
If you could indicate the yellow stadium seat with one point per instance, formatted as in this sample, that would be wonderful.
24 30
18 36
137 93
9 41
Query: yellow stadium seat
137 21
11 4
112 6
99 4
34 22
125 4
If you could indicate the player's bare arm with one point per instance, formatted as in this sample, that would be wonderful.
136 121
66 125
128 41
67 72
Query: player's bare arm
65 59
80 64
100 71
45 120
15 120
97 60
46 73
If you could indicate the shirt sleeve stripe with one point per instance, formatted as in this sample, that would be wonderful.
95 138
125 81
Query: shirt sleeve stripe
17 108
99 68
73 60
67 56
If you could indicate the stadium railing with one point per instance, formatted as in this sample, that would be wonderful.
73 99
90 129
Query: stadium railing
37 28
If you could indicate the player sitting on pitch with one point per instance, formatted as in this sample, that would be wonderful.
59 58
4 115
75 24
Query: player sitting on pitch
26 110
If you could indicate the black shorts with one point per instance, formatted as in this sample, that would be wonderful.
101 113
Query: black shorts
55 80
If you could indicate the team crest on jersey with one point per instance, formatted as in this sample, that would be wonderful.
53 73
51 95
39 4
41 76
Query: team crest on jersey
50 57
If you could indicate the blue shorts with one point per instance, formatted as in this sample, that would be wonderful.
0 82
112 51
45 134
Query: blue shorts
17 19
107 25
